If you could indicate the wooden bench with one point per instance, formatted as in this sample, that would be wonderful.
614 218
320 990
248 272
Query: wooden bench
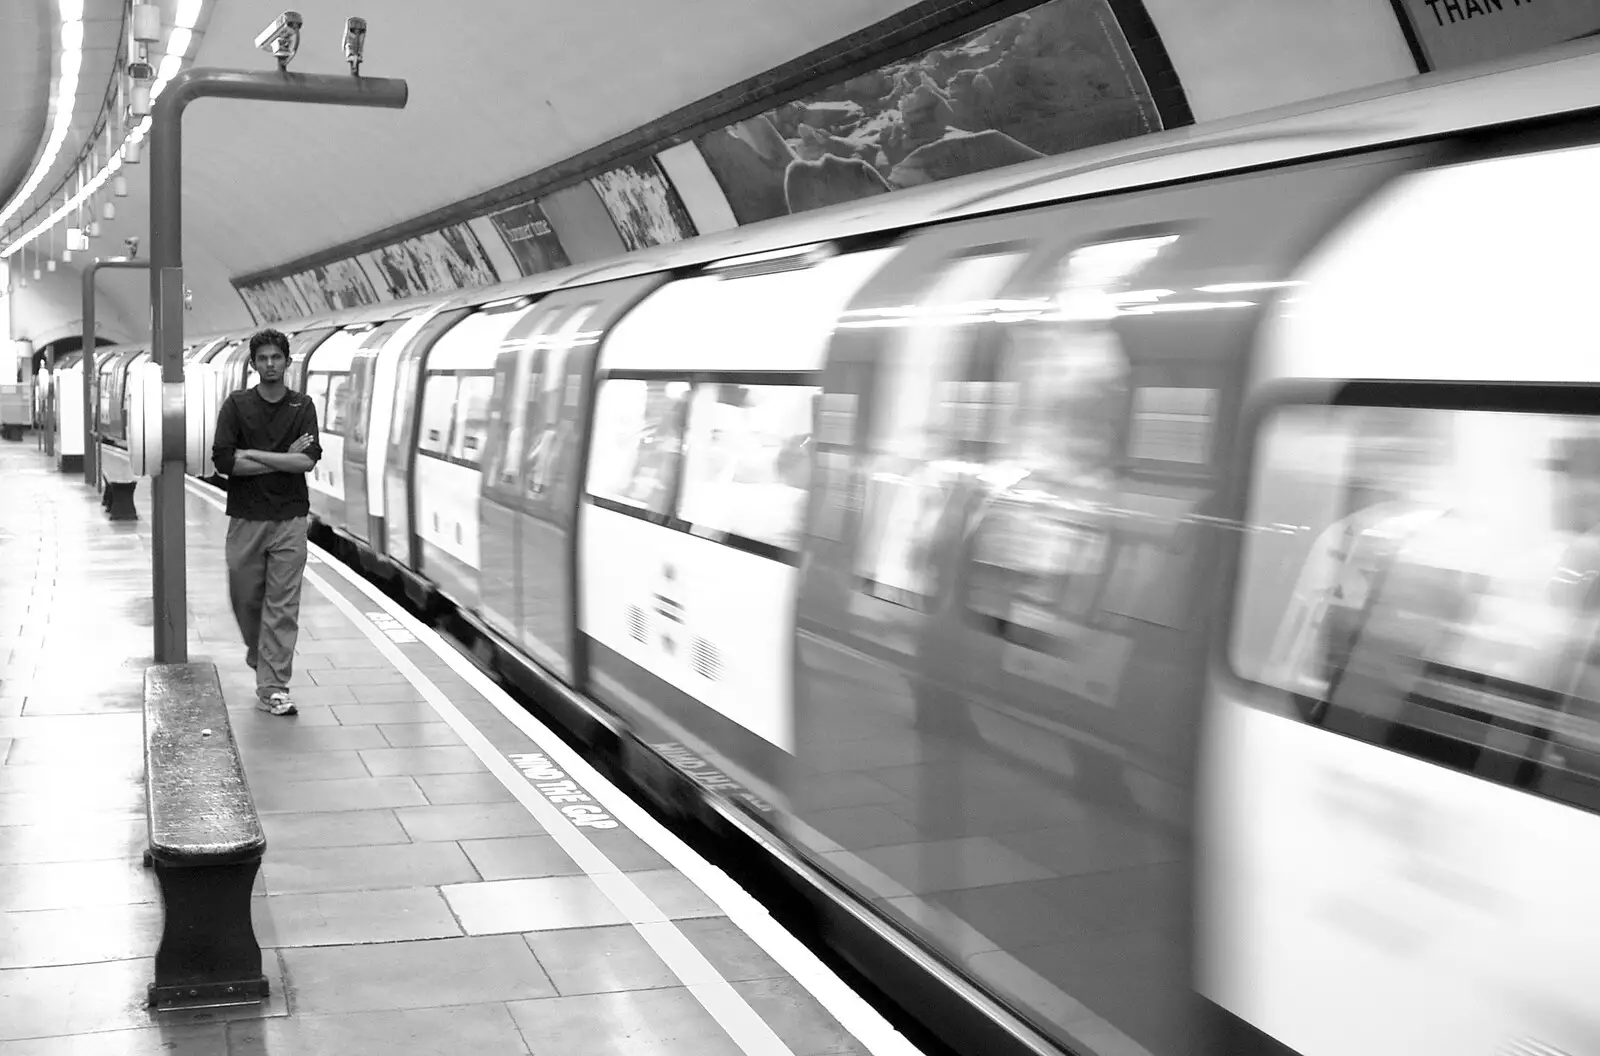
206 841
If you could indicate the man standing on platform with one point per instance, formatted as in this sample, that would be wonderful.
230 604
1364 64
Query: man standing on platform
266 443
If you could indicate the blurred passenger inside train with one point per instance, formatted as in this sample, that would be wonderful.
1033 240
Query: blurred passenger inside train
1373 470
1454 612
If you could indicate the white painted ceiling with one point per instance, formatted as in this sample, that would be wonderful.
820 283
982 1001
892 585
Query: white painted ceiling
499 89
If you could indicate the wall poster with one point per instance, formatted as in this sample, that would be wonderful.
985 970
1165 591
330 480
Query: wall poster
1055 78
526 231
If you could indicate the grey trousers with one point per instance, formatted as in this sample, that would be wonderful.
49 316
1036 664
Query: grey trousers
266 560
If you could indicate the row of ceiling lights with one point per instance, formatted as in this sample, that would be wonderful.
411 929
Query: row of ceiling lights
135 99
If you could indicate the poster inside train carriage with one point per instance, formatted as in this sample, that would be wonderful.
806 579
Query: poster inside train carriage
1055 78
441 261
531 238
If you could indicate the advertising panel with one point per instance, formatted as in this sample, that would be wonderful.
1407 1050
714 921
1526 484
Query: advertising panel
527 232
341 284
273 301
643 205
441 261
1056 78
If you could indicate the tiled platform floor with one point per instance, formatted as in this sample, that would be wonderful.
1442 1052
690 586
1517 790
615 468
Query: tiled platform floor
409 903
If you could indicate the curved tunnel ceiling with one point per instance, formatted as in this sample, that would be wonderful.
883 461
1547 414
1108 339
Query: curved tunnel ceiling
513 88
25 51
494 96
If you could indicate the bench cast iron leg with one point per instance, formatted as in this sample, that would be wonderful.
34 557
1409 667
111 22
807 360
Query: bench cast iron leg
119 501
208 944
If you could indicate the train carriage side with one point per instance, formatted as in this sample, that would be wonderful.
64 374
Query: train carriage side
1009 567
1401 756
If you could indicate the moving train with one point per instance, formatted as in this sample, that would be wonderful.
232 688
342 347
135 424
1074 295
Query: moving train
1156 582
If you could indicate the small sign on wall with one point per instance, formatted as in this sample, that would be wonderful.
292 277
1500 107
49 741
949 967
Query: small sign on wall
1455 33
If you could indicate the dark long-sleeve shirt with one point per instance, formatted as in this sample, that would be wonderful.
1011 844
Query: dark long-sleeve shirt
248 422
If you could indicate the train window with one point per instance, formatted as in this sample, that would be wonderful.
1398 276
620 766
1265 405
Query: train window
471 430
400 410
637 442
317 389
338 419
1428 580
747 470
1053 544
438 413
553 409
914 427
360 382
505 422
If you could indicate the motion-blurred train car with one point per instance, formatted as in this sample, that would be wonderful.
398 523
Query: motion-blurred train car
1153 586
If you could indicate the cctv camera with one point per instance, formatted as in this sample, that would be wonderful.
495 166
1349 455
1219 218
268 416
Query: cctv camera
282 38
355 43
132 242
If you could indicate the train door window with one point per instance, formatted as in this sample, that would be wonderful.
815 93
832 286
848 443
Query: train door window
339 404
638 441
317 389
915 425
471 427
360 388
438 413
1047 540
553 406
747 468
505 423
515 372
1428 580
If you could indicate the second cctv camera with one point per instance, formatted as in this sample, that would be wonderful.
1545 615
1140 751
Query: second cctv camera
281 39
355 42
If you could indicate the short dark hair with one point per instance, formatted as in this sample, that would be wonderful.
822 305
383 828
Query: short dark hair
269 336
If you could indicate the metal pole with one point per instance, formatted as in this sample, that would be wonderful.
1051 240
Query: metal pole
169 574
91 375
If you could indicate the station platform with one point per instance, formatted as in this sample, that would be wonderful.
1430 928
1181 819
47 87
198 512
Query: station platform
442 873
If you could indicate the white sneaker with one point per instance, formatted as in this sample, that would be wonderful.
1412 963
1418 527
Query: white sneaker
277 704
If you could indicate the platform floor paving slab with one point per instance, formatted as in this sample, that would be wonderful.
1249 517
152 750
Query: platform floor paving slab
409 902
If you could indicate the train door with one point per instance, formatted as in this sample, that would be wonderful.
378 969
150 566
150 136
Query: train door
385 376
447 481
363 368
399 538
1401 758
303 344
518 371
557 412
531 490
330 385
